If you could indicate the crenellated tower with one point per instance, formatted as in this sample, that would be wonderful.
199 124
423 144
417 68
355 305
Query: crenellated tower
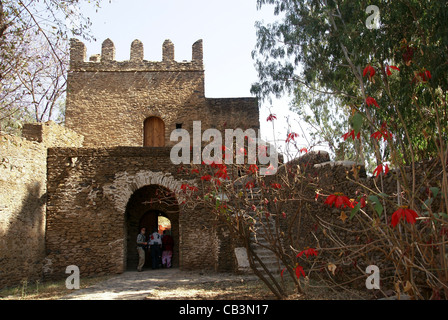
138 102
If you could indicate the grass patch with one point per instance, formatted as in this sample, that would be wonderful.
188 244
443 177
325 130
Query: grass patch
49 290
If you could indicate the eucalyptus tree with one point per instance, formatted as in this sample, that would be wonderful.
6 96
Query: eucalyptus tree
319 50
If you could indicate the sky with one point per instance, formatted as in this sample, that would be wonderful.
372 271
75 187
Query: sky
227 29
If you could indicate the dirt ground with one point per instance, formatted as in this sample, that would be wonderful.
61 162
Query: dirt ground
174 284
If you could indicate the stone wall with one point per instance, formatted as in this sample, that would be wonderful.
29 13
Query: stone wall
23 197
22 209
51 134
95 200
108 101
317 219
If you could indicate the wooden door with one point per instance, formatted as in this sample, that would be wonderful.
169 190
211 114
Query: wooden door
154 132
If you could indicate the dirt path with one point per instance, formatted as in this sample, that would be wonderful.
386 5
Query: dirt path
167 284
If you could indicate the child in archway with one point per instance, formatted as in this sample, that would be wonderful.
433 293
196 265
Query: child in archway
167 247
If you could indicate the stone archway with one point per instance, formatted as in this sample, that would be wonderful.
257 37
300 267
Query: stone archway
143 208
125 185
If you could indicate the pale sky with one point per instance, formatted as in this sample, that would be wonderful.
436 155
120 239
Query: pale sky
227 29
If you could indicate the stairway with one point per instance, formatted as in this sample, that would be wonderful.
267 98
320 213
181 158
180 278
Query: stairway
263 226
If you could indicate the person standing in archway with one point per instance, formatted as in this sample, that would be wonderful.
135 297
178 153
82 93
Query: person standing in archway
167 247
155 244
141 244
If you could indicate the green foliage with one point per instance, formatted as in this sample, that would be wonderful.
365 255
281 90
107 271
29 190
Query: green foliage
318 51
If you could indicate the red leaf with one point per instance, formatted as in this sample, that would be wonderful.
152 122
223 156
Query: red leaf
371 101
299 271
308 252
403 213
250 185
352 135
339 201
369 70
276 185
291 136
395 68
206 177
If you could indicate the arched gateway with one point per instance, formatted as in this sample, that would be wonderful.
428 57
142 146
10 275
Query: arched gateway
144 208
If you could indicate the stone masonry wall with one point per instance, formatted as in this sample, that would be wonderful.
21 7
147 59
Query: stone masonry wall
330 177
23 197
88 202
22 209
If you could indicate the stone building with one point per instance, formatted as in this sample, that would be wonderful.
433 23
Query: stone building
93 195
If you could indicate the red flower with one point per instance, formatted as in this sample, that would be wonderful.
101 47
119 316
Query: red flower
304 150
222 172
369 70
195 171
307 252
382 133
271 117
423 76
351 134
299 271
291 136
339 201
408 55
404 213
281 273
276 185
253 168
206 177
363 202
371 101
389 73
379 169
250 185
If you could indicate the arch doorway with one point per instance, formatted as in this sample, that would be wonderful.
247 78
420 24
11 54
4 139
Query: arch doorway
153 132
144 209
154 220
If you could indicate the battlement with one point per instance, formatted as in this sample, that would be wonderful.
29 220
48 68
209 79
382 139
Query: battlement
106 60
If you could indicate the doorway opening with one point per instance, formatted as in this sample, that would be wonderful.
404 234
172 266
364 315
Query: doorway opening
145 210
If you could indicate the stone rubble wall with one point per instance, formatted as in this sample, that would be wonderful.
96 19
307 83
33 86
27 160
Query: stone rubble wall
330 177
88 209
23 176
